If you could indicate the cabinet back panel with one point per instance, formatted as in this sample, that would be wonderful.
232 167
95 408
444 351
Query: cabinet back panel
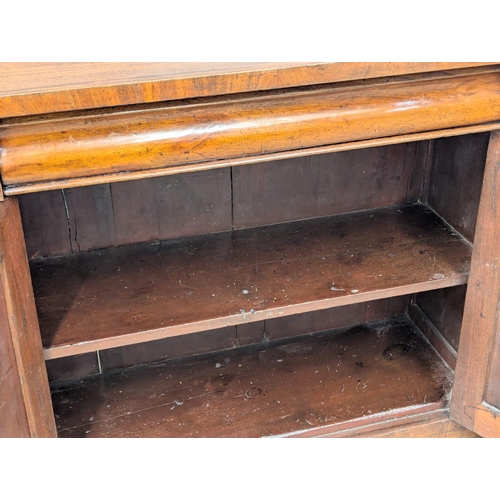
86 218
320 185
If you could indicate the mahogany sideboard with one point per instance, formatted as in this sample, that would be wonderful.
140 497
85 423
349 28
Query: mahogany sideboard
249 249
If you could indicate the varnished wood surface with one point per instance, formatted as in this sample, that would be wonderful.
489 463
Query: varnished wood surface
480 326
308 387
192 136
136 293
34 88
22 363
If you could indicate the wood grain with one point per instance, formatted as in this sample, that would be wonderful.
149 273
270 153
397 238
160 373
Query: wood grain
308 387
13 418
480 326
248 160
176 135
20 331
138 293
34 88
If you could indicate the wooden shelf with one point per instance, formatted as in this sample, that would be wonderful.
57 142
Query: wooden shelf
132 294
314 385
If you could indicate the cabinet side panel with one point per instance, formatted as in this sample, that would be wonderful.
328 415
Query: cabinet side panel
456 178
445 308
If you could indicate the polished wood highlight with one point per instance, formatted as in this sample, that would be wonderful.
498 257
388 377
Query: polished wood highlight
307 387
188 134
35 88
480 327
248 160
137 293
21 358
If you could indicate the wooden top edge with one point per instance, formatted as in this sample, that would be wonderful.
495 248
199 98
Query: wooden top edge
35 88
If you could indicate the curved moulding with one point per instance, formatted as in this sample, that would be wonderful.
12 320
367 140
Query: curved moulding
196 135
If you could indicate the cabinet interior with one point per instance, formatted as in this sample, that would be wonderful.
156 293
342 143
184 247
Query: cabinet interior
216 303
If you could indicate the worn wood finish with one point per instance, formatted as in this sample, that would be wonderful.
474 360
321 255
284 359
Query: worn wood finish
309 386
133 294
34 88
480 326
20 333
175 135
456 178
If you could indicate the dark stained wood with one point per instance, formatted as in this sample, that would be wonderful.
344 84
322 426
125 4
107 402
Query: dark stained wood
173 207
138 293
456 179
45 224
337 317
74 367
129 212
320 185
91 217
169 348
309 386
419 156
444 308
184 134
433 335
480 326
322 320
33 88
20 334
